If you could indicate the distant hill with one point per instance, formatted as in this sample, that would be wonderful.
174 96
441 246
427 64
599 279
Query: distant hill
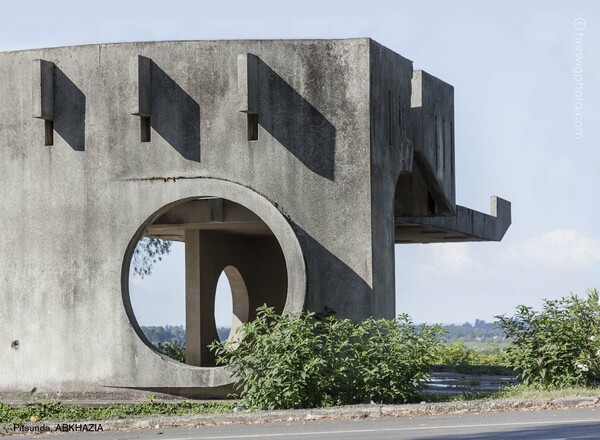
174 333
479 333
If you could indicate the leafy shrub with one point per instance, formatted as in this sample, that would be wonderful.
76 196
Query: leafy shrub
175 350
303 361
492 354
559 346
454 353
457 356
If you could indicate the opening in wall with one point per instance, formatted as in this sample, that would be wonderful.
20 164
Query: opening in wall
252 126
198 272
389 114
145 129
48 133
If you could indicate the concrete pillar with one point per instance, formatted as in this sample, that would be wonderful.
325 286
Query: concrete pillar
199 303
247 262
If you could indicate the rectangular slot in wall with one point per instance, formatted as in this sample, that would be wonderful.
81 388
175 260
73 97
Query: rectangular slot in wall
437 143
252 126
145 128
48 132
399 111
452 149
444 143
389 117
400 128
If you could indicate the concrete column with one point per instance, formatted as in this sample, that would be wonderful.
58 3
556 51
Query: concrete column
247 261
199 303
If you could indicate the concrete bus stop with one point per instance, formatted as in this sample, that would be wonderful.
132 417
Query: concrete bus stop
294 166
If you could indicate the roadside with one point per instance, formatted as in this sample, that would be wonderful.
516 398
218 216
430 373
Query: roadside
447 392
237 416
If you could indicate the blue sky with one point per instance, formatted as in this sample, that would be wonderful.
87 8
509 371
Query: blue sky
512 66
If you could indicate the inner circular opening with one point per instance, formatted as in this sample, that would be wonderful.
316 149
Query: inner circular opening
199 270
223 307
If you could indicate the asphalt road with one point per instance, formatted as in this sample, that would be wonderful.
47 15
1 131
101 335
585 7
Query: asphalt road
582 423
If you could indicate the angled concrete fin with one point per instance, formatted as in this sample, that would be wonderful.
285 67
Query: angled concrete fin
42 76
140 72
248 82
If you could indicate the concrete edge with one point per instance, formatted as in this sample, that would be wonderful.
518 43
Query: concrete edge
343 412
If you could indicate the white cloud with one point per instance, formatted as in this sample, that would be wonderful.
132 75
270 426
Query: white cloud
560 247
446 259
453 257
459 282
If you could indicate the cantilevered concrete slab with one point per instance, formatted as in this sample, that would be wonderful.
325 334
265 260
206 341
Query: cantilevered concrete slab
464 225
292 166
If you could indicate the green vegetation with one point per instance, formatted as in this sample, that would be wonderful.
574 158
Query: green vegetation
458 397
168 333
58 411
175 350
515 392
170 340
304 361
480 343
530 392
479 335
558 347
489 359
175 334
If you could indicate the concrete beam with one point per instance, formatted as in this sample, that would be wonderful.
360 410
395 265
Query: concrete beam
42 75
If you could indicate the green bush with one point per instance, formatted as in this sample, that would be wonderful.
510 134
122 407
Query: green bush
174 349
454 353
304 361
559 346
458 354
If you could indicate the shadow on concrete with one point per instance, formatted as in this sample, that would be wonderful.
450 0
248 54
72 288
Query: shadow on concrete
565 430
175 115
324 270
295 123
69 111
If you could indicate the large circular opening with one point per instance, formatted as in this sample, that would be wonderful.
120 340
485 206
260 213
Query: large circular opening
200 269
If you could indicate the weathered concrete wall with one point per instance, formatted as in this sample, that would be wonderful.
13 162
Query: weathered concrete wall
71 209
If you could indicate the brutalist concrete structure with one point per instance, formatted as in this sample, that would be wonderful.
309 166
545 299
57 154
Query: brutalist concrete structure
293 166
